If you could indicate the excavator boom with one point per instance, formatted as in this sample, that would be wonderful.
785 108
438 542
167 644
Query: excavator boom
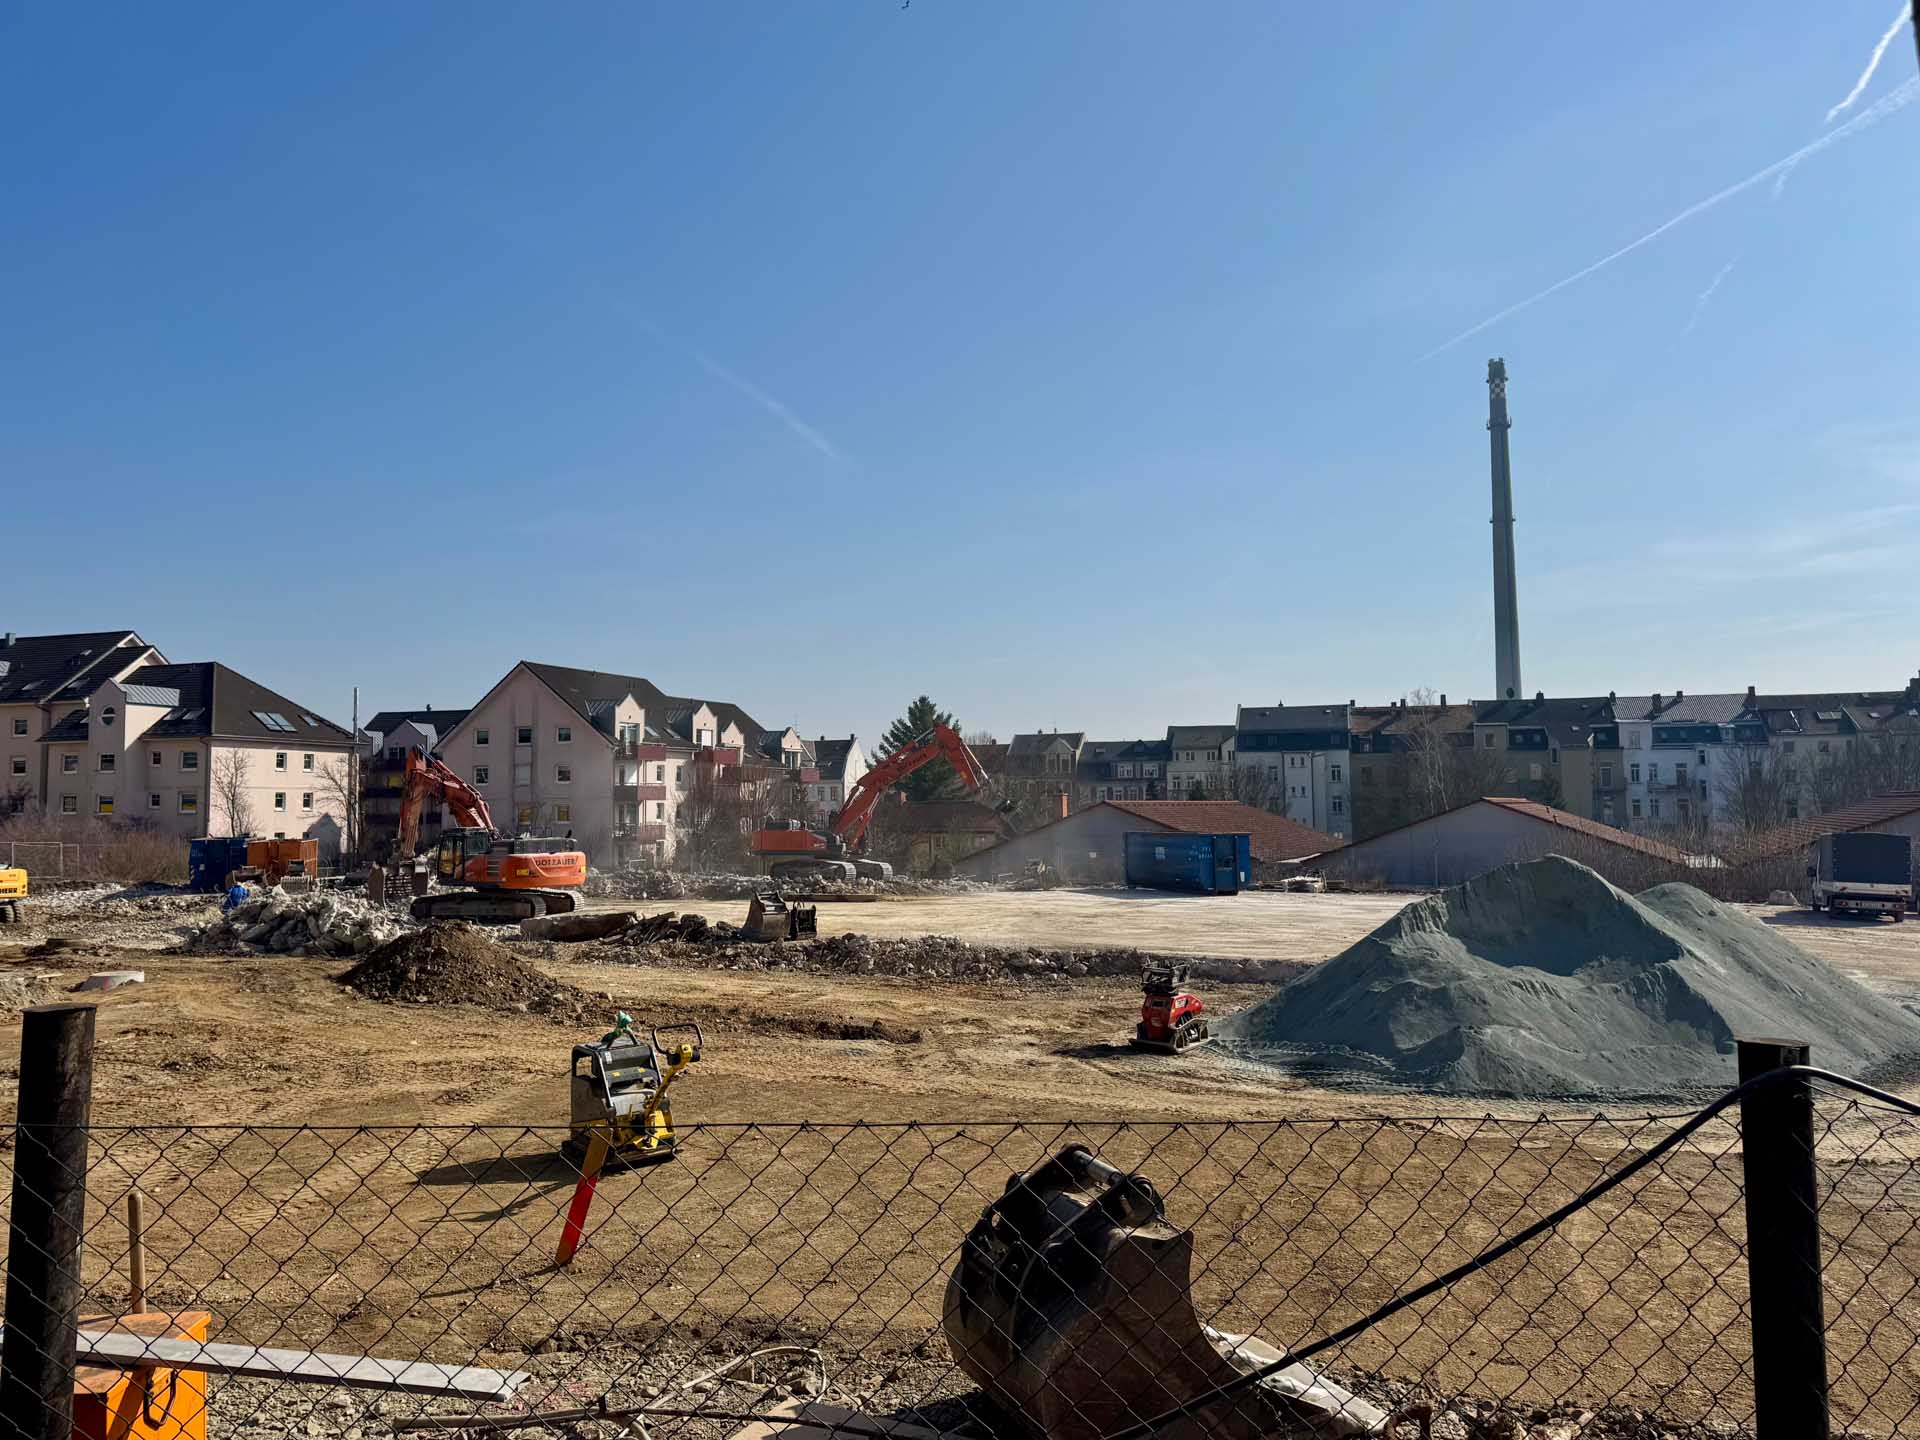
425 777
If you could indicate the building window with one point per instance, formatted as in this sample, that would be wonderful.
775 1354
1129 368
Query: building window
563 774
279 834
154 758
659 774
69 804
189 759
1703 757
69 764
19 766
524 815
1339 805
481 774
19 725
280 800
395 755
659 810
306 799
564 734
106 762
680 775
1653 808
1679 772
153 800
1489 739
103 805
563 814
279 759
1793 809
1636 809
1685 809
1633 739
1606 777
306 762
189 803
1653 772
523 735
1786 747
1823 746
1606 811
107 713
480 736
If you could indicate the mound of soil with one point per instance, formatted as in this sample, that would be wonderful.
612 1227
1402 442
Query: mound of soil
458 964
1541 979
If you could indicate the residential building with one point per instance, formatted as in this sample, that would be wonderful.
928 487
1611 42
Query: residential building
198 749
1562 752
1120 770
1199 757
933 836
1680 755
840 764
1043 763
43 679
1088 846
1408 761
604 758
1471 839
386 740
1295 760
1813 736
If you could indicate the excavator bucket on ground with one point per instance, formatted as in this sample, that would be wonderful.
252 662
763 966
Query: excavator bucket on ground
1070 1307
770 917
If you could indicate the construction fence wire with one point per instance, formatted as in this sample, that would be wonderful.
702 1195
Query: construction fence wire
824 1252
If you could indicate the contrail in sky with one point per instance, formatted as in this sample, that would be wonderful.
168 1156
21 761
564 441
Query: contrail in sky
1873 61
766 402
1887 104
1700 301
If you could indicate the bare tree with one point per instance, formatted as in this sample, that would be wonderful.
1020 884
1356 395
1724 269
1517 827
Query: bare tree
1866 765
338 793
715 816
979 737
1757 789
231 788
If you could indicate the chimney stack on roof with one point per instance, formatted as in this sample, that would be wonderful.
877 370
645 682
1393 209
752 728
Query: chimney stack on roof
1750 695
1678 696
1443 699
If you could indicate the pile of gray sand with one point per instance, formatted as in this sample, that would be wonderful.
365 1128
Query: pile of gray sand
1541 979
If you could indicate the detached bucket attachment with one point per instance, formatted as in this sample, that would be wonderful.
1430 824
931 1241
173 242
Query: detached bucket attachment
769 917
1071 1307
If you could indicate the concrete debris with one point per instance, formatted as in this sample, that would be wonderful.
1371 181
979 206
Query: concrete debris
458 964
1540 979
112 979
17 992
672 938
654 884
323 922
575 925
1782 897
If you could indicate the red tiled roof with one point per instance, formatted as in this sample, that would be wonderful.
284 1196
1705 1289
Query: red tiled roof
1579 824
1274 837
1799 834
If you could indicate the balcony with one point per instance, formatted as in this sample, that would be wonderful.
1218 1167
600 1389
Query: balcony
634 794
650 832
638 750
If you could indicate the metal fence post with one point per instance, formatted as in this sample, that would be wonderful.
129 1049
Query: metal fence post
48 1222
1783 1247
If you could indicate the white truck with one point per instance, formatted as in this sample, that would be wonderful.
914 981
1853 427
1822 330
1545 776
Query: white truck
1864 873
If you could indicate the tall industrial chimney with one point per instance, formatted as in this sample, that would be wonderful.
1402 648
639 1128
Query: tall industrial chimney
1506 603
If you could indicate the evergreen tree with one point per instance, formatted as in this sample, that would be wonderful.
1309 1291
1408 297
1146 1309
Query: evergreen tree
930 782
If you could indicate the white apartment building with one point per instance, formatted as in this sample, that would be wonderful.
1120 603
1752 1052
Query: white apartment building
43 679
1198 755
1295 760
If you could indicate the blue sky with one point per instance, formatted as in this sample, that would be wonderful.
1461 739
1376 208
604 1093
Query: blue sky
1063 361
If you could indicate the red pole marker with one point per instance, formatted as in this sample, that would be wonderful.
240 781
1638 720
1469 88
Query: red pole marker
576 1225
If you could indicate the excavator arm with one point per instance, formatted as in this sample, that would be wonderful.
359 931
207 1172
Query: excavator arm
427 777
939 743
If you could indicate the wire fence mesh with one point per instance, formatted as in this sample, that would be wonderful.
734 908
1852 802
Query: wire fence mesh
825 1251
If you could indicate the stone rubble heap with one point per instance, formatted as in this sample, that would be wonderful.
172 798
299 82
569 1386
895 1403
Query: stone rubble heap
642 883
322 922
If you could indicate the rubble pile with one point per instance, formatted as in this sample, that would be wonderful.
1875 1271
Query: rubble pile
459 964
654 884
921 956
321 922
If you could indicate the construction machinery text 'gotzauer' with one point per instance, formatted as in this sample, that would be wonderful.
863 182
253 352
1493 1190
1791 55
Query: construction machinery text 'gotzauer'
502 879
797 852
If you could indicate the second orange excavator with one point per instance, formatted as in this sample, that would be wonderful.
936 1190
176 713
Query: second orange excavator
493 879
796 852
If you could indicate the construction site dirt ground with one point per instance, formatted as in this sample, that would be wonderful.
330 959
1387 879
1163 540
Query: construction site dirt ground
275 1040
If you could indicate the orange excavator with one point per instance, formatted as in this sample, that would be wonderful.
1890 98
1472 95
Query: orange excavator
492 879
796 852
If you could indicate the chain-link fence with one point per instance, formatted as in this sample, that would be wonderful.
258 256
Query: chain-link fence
773 1266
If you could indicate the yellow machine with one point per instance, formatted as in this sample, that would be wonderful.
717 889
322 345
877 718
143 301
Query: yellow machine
619 1091
13 893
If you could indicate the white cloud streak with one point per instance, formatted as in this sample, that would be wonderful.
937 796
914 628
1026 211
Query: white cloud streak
1894 100
776 408
1900 22
1700 300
